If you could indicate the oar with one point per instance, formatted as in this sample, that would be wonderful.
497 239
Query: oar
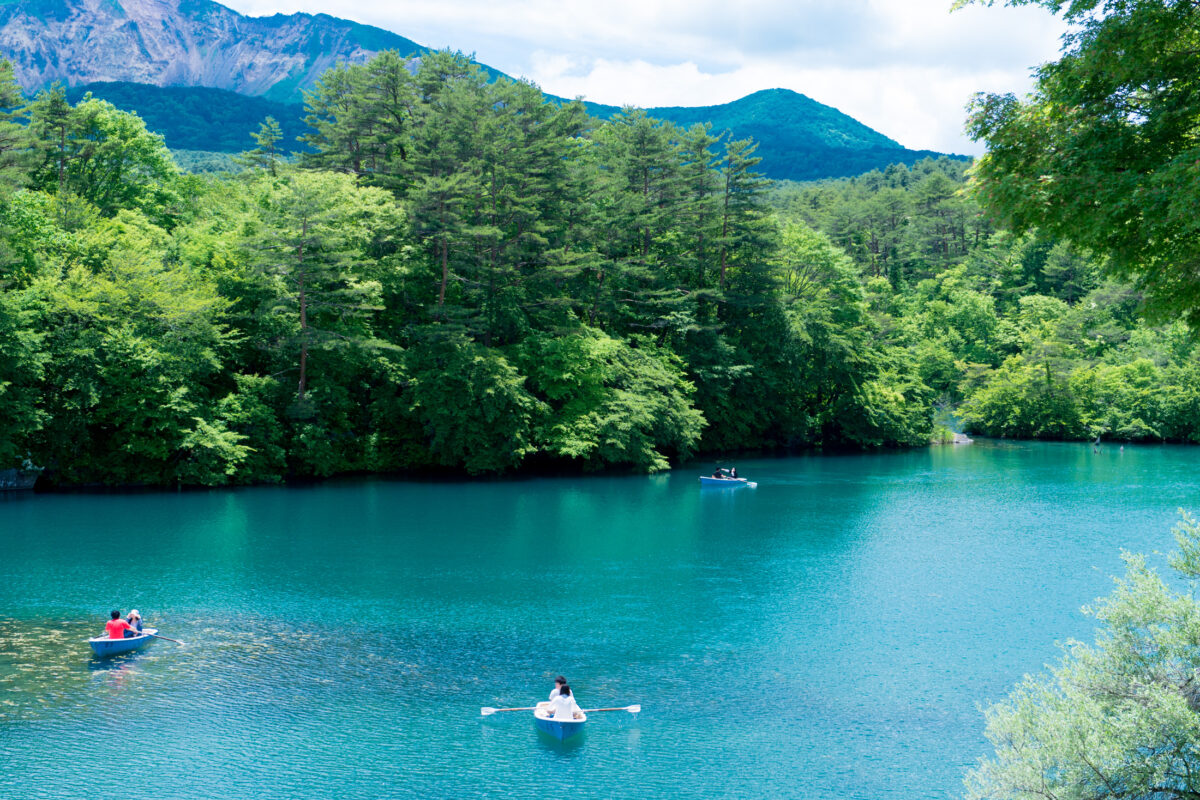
630 709
156 636
487 711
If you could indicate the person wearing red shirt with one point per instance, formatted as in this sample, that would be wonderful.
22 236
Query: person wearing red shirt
116 627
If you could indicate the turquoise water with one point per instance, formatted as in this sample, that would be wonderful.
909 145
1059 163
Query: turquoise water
828 634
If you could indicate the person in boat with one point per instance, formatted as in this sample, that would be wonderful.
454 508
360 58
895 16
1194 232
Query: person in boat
559 682
116 627
564 706
720 473
733 473
135 621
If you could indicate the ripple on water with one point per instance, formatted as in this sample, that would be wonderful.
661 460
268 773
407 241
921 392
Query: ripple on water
829 634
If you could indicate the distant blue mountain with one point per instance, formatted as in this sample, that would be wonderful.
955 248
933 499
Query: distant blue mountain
205 76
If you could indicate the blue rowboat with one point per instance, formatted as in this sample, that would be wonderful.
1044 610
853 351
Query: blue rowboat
106 647
726 483
562 729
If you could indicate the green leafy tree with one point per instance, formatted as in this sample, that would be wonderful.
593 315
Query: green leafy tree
14 140
1118 718
22 360
131 349
471 404
611 402
1104 152
310 240
101 154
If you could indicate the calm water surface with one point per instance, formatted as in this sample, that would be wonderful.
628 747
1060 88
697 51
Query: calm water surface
829 634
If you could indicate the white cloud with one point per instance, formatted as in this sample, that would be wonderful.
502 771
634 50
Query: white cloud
904 67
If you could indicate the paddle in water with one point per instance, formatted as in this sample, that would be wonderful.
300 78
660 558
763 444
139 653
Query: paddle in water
487 711
630 709
156 636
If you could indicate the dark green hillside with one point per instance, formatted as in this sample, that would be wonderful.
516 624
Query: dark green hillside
199 118
799 138
771 110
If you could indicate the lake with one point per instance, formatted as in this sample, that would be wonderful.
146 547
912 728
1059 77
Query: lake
830 633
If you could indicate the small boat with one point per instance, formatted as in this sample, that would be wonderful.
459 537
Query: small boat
106 647
725 483
558 728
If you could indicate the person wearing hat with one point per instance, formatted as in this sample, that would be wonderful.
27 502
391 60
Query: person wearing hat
135 622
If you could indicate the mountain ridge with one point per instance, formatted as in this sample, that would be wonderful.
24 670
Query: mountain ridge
182 43
171 51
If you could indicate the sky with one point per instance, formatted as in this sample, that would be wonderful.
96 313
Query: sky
906 68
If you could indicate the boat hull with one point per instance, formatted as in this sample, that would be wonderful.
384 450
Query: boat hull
725 483
561 729
105 647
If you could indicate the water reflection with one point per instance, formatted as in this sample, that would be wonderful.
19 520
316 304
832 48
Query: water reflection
835 626
125 662
569 748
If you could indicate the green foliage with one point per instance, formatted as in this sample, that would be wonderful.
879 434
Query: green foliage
205 161
198 117
610 401
249 412
1021 330
21 369
472 405
267 155
799 138
462 276
1104 153
102 155
1116 718
307 239
130 350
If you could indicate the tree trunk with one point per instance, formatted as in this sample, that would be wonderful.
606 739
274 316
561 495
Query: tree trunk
303 313
596 300
725 226
445 273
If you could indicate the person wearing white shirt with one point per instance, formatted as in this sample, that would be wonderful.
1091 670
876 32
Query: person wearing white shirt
559 682
564 706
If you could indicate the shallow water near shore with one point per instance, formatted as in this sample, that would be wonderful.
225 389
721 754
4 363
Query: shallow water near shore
830 633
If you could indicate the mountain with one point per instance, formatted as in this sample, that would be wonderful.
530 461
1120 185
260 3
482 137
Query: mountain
197 117
167 60
798 138
181 43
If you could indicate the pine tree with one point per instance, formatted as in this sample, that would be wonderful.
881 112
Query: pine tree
265 155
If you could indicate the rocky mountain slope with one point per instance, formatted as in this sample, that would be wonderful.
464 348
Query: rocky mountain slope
181 43
165 59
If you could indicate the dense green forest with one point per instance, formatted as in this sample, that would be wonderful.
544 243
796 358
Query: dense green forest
197 117
798 138
1025 335
460 275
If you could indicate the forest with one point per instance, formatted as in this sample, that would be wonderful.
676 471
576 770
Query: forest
797 137
457 275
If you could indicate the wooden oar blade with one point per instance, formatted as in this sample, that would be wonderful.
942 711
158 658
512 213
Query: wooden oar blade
168 638
630 709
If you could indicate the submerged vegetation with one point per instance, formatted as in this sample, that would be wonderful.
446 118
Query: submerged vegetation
460 275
